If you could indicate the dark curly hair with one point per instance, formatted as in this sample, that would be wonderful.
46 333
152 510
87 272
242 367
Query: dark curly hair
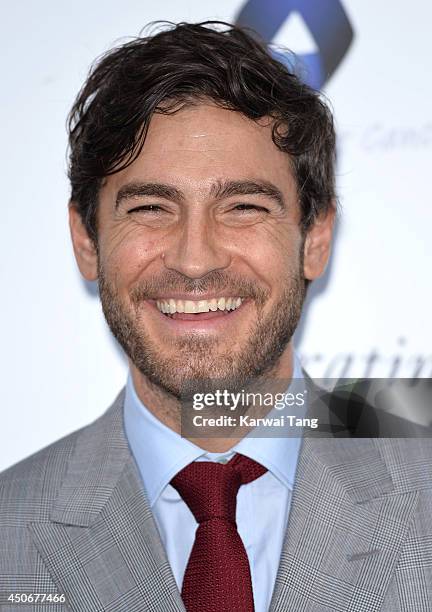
184 64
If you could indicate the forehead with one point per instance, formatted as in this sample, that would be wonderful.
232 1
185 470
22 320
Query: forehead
203 144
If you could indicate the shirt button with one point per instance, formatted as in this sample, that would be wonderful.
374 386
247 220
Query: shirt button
223 460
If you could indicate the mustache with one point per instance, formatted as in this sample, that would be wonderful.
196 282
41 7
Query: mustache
215 281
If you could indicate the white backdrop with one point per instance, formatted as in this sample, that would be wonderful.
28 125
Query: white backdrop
60 368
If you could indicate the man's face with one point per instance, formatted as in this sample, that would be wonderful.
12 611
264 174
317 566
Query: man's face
207 218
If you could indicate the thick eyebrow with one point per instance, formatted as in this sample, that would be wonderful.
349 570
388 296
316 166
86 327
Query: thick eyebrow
160 190
227 189
219 190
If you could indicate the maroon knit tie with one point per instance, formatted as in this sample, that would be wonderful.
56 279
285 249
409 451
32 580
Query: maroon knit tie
217 576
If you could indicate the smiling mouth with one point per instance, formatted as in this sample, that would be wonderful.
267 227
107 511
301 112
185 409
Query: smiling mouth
193 310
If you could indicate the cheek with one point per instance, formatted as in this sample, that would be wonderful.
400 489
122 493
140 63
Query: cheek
126 255
273 252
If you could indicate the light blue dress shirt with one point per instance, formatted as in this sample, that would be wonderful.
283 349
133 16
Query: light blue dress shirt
262 505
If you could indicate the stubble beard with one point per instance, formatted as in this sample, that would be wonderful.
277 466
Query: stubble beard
195 359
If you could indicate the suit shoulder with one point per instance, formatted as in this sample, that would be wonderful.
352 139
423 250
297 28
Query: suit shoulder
28 487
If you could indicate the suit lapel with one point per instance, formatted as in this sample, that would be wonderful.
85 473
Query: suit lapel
102 546
346 528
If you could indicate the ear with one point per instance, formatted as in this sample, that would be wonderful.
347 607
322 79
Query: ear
318 244
83 245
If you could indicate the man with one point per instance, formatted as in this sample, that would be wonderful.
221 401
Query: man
203 202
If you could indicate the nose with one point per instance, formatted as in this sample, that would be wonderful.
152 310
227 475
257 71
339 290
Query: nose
197 248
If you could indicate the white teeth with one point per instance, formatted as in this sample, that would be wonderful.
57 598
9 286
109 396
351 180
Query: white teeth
213 305
221 303
170 305
203 306
190 307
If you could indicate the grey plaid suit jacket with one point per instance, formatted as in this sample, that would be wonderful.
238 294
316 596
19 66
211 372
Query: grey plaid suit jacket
74 519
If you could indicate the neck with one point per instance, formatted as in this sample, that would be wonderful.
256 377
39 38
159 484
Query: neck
166 407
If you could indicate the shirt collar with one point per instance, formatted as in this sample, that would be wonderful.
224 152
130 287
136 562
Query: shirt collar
160 452
278 455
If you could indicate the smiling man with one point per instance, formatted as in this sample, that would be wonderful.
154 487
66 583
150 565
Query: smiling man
200 253
203 203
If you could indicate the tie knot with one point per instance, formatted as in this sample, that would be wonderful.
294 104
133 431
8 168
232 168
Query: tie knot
210 489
